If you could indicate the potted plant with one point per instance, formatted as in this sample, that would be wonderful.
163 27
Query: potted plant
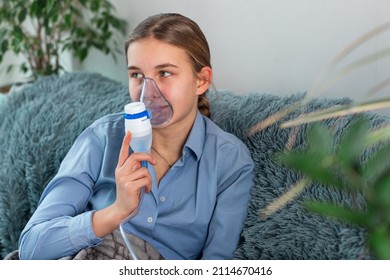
41 30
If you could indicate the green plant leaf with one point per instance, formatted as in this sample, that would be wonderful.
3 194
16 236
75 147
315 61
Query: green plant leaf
320 139
22 15
341 213
68 20
381 190
15 46
17 33
317 162
379 243
95 5
4 46
83 3
313 166
35 9
352 143
9 68
377 164
349 153
82 54
24 67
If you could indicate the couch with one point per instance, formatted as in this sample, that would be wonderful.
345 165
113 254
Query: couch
39 123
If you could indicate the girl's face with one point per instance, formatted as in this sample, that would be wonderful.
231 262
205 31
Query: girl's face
170 67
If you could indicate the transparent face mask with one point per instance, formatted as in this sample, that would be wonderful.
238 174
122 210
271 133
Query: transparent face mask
159 108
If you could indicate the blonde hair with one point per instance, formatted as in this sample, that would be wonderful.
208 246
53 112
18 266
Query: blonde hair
182 32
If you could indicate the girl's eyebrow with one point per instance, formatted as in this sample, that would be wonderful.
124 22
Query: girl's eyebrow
160 66
132 68
165 65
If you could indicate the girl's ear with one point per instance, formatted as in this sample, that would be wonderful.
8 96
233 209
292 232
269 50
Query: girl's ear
204 80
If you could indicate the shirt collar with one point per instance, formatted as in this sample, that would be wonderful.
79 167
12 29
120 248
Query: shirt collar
195 140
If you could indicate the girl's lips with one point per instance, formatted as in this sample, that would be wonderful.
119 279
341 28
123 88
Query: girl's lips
157 111
159 115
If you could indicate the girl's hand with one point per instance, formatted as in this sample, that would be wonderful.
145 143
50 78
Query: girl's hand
130 178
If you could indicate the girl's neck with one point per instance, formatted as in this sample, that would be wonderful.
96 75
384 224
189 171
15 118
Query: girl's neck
173 138
170 139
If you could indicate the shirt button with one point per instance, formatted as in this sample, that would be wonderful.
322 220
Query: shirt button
150 219
162 198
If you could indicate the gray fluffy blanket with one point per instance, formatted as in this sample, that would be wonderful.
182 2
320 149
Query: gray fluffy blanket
39 124
113 247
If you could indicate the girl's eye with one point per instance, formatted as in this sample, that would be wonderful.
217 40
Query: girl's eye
165 74
136 75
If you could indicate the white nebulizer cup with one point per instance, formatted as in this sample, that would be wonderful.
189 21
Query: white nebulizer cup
137 121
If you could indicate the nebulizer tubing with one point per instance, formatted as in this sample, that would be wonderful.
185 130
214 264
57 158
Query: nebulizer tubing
122 231
153 110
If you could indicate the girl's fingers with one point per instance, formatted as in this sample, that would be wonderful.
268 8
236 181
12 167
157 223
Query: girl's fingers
134 181
136 186
124 157
124 152
134 162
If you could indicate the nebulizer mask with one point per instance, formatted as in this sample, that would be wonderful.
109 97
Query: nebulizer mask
152 110
160 110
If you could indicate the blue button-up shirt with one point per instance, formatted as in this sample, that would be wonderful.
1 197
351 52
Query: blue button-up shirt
196 211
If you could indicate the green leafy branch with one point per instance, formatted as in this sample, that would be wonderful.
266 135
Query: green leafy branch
41 30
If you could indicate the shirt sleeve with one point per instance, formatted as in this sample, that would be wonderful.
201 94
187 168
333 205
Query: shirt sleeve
231 207
60 226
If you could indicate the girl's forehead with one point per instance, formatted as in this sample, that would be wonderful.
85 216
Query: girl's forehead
152 45
155 52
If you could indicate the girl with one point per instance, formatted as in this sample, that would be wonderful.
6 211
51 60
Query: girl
198 179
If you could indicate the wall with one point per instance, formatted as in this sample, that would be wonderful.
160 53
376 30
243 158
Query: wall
273 46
